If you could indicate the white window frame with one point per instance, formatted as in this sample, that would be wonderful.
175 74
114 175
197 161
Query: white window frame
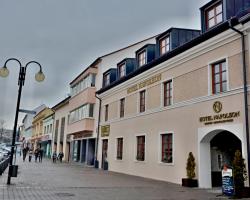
143 50
138 101
116 146
145 148
209 68
162 92
160 148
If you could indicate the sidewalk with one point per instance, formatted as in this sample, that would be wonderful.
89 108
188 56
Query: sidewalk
48 181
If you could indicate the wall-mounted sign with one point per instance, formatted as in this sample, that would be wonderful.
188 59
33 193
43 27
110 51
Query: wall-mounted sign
105 130
81 135
227 181
217 106
145 83
219 118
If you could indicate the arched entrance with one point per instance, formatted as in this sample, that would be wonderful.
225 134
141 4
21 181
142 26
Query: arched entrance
222 147
215 148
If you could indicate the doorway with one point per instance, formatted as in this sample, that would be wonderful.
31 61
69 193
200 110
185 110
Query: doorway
223 147
215 148
104 152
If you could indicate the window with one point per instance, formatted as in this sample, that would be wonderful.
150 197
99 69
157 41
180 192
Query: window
122 70
140 155
167 93
214 15
56 131
50 128
44 130
88 81
119 148
167 148
122 105
142 101
106 112
106 79
62 129
82 112
164 45
219 77
142 58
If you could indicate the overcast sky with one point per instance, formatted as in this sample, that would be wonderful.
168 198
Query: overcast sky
65 36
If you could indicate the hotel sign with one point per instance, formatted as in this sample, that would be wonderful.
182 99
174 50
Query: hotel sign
105 130
145 83
219 118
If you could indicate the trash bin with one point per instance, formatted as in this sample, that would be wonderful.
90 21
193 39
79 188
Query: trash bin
96 164
14 170
105 165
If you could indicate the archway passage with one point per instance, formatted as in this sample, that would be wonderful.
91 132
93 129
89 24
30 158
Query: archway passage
223 147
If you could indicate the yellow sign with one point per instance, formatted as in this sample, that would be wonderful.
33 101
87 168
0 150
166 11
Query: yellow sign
217 106
105 130
145 83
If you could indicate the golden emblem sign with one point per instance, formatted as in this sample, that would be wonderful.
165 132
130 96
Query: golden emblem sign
217 106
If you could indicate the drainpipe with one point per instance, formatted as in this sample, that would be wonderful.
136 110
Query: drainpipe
244 69
98 132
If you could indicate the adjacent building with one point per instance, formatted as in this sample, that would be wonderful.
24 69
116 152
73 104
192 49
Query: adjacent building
61 139
84 106
39 137
27 123
184 92
46 140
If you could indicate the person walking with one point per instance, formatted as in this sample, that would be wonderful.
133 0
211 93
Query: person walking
30 155
60 156
36 155
54 156
40 155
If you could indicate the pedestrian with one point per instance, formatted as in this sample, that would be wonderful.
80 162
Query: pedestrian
30 155
40 155
36 155
54 156
60 156
25 151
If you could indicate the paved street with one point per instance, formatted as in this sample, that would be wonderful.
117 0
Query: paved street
49 181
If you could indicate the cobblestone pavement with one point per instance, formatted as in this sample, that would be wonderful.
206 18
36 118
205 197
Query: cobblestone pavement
48 181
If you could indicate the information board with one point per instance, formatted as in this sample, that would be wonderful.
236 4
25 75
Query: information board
227 182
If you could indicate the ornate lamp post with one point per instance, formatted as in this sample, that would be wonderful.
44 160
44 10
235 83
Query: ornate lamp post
4 72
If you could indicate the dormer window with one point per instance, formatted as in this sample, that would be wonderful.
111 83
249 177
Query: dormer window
164 45
214 15
142 58
122 70
106 79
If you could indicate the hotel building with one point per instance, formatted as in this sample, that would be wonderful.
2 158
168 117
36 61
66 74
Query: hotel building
187 92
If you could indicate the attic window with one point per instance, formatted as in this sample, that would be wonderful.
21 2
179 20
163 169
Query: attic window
142 58
214 15
164 45
121 70
106 79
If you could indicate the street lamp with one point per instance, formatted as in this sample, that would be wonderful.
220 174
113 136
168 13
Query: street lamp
4 72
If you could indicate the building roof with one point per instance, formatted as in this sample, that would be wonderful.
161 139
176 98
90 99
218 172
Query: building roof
97 60
61 103
194 42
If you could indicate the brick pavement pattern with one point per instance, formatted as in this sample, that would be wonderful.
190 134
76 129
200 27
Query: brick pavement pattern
61 181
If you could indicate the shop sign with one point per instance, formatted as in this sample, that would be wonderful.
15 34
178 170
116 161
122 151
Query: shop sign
145 83
81 135
219 118
105 130
46 137
227 181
